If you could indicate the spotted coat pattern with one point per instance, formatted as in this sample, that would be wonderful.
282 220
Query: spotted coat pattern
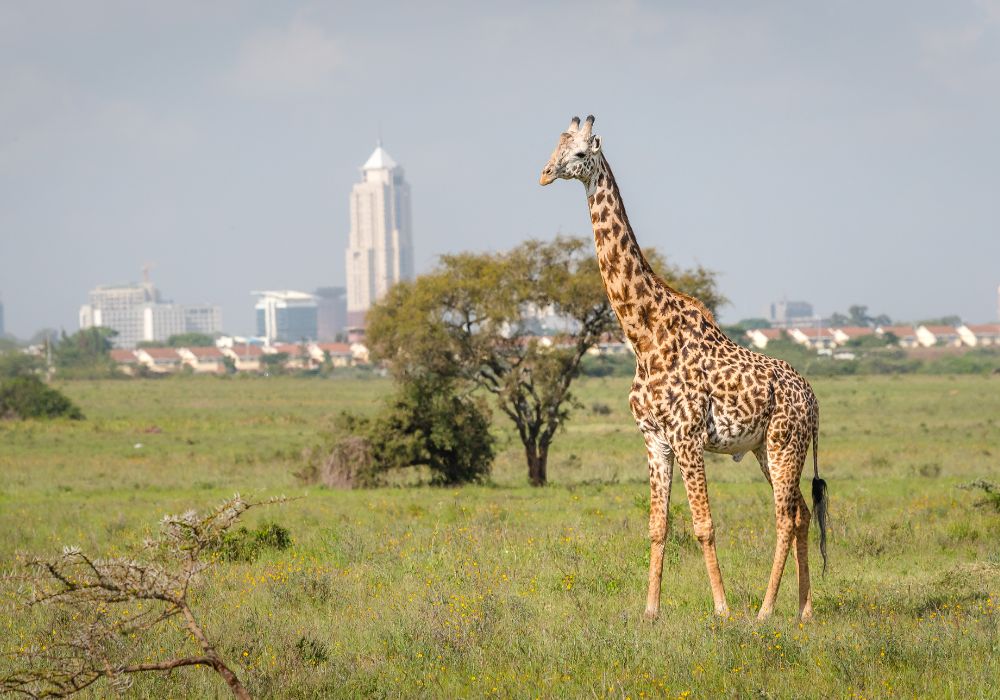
694 389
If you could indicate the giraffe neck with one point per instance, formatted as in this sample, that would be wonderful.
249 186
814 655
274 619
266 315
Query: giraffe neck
633 289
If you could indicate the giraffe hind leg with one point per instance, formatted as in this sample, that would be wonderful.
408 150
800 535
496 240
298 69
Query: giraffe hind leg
802 517
784 468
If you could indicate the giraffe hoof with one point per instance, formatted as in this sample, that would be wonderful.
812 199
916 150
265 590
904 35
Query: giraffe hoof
722 610
806 615
764 614
650 614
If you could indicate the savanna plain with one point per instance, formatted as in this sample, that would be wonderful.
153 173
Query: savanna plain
511 591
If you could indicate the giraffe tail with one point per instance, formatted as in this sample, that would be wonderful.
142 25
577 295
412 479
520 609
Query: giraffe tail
820 499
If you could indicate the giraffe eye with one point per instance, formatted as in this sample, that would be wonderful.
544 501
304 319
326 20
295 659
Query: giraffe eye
579 154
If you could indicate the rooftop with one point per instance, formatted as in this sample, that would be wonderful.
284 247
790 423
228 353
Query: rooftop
984 328
942 330
855 331
121 356
334 348
209 351
379 160
898 331
284 295
161 353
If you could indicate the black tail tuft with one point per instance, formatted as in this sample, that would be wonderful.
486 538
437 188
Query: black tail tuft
820 503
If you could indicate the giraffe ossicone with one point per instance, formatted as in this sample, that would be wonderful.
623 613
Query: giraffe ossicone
695 390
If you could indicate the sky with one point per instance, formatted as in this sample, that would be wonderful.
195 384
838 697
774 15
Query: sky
836 152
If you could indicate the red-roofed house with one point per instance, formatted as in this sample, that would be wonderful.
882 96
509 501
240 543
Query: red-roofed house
905 335
125 360
246 356
159 360
299 357
340 353
759 337
207 359
815 338
929 336
848 333
980 334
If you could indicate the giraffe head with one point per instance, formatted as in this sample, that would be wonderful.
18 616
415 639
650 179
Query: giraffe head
576 155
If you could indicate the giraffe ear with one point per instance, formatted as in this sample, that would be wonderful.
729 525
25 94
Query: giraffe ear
595 144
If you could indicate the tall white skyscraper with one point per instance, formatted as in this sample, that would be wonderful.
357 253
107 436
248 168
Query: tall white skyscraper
380 246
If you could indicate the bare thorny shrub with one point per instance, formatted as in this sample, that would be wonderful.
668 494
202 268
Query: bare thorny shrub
100 607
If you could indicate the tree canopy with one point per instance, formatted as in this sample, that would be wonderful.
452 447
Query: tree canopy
85 353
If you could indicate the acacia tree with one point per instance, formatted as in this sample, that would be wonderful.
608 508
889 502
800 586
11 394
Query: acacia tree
475 319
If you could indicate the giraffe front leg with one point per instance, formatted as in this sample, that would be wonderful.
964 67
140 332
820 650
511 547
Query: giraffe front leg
692 464
661 471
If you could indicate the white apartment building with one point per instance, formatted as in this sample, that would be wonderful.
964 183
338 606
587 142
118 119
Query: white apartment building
380 244
138 314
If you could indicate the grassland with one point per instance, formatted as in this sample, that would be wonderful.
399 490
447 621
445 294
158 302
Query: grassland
504 590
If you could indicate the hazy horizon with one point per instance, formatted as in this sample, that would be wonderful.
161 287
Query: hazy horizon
840 154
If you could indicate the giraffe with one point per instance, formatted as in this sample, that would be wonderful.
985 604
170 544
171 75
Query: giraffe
695 390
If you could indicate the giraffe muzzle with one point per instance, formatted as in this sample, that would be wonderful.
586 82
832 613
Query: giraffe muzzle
548 176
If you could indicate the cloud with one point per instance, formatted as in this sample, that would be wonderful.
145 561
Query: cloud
300 59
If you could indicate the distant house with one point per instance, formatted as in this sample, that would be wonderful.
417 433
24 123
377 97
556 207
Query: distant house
359 351
844 335
246 356
815 338
929 336
340 354
760 337
125 360
208 359
159 360
299 356
977 335
905 335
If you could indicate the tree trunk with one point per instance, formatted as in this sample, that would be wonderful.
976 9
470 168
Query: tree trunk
538 457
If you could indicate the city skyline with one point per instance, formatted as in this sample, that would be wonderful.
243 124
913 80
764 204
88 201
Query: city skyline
855 145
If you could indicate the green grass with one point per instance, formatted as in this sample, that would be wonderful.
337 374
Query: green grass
518 592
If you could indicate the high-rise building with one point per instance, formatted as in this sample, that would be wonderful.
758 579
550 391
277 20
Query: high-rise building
202 319
331 312
137 313
785 313
286 316
380 245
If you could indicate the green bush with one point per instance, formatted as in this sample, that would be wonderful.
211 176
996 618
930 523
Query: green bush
425 423
247 545
29 397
